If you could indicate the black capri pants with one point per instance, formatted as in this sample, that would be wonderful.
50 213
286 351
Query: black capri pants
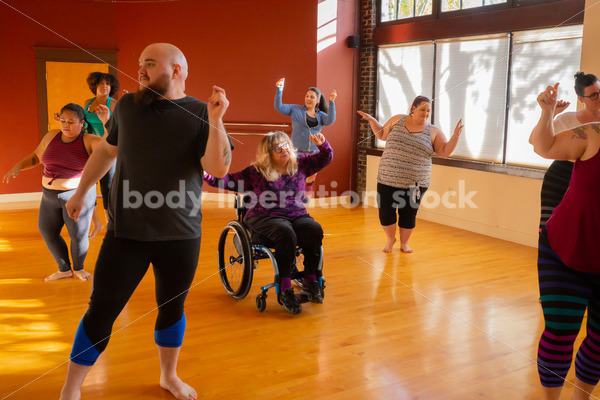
404 201
121 265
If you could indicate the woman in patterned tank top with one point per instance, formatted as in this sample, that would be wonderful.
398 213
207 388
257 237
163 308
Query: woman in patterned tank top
405 167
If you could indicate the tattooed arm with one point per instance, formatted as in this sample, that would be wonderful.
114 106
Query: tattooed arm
567 145
570 144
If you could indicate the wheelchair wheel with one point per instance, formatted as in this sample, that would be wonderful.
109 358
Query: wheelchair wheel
235 260
261 302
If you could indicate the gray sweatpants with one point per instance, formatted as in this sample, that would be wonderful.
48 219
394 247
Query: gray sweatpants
53 216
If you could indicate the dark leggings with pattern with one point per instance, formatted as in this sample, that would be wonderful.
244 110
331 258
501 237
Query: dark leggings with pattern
555 184
565 295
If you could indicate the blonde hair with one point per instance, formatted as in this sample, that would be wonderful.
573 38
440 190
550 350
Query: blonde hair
264 156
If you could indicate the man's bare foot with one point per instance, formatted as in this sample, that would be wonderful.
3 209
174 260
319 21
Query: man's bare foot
405 248
96 227
59 275
70 396
83 275
389 246
178 388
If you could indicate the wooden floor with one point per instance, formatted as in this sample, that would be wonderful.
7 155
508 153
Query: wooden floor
457 319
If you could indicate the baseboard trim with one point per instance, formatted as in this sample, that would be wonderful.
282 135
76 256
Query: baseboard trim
20 201
526 239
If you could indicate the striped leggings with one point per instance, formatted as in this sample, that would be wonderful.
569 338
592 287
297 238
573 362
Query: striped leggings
565 295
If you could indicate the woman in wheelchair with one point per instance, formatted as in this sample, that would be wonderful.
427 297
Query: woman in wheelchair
274 186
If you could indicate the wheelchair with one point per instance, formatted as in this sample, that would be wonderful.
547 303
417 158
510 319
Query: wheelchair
239 253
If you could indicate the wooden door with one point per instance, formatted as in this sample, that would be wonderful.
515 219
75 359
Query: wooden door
66 83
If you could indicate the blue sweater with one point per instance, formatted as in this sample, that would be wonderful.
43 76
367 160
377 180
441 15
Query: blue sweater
300 130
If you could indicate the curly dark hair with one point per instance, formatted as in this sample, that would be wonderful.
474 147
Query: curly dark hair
95 77
583 80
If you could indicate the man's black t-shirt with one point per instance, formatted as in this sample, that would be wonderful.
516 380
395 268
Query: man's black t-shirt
157 188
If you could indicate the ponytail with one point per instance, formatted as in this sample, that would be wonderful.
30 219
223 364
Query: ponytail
322 105
77 109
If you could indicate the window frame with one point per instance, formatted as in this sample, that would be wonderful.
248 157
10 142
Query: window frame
477 21
434 10
437 13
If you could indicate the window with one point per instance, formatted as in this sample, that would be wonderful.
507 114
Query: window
404 72
471 82
454 5
393 10
401 9
539 58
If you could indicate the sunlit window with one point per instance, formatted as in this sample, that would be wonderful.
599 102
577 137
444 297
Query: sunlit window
404 73
454 5
404 10
400 9
540 57
475 79
470 84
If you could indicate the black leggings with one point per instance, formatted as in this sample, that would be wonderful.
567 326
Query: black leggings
121 265
404 201
285 234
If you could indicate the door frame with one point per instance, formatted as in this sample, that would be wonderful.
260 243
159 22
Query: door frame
58 54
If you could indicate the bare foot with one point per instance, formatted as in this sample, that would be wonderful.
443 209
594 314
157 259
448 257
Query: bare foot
389 245
70 396
178 388
59 275
83 275
405 249
97 227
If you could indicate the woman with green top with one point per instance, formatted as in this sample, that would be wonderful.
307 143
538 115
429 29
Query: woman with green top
104 86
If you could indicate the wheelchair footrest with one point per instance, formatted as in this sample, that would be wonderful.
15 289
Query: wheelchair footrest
302 297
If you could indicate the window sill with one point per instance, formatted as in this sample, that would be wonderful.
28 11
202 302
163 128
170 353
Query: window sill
514 170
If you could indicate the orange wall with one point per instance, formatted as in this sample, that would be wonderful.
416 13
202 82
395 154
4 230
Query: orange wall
335 70
243 46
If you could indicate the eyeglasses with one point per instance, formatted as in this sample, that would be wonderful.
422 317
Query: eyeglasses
593 96
279 149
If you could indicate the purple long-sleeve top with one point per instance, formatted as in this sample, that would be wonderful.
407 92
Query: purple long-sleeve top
281 198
